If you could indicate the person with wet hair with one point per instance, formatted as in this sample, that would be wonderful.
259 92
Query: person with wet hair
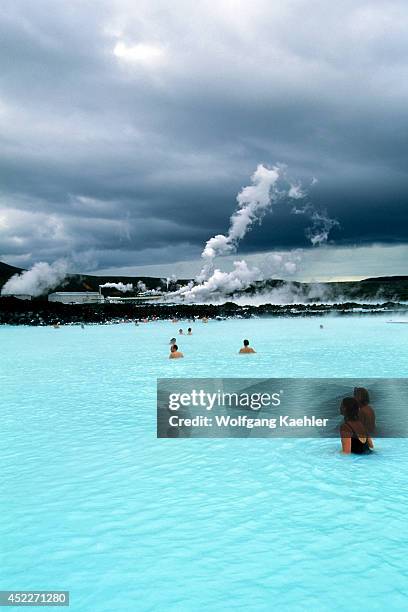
354 437
246 348
367 414
175 353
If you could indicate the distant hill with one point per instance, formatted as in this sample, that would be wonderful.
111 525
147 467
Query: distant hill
6 272
388 279
87 282
371 289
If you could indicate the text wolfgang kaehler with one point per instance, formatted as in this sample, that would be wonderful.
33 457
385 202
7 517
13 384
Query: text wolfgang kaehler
248 422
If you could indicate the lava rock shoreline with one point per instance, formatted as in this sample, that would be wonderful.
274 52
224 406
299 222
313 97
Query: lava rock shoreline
14 311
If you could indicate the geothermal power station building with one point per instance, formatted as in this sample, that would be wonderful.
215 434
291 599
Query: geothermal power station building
76 297
95 297
92 297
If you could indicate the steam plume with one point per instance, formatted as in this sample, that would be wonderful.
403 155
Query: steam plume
40 279
253 202
119 286
141 286
222 283
321 226
268 186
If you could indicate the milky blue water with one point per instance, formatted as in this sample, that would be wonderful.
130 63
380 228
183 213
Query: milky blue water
93 503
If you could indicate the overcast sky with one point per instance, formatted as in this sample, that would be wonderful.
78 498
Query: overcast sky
127 128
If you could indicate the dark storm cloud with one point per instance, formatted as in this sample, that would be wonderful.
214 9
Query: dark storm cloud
127 129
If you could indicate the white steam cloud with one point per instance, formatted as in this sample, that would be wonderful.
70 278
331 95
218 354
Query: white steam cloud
253 202
141 286
224 283
268 187
40 279
119 286
322 224
319 232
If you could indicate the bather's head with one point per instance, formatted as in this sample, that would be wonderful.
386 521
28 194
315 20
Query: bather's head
361 395
246 342
174 348
350 409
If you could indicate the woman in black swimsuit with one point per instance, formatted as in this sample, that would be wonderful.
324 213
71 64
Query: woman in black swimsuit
354 438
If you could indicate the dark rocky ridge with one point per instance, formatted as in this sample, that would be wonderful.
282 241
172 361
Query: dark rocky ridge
381 289
40 312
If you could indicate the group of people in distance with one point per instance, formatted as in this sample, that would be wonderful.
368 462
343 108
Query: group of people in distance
174 350
359 423
189 332
176 354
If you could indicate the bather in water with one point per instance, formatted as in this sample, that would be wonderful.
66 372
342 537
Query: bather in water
354 436
246 348
366 414
175 353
